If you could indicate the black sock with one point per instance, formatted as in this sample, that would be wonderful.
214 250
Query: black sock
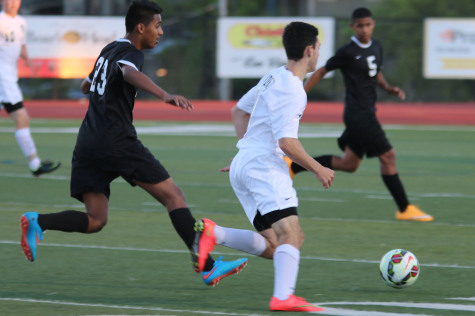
325 160
184 224
394 185
66 221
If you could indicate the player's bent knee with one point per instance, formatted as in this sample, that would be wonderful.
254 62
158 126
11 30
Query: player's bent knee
95 225
350 168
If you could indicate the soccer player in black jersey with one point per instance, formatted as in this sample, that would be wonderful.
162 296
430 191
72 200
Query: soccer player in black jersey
107 145
360 62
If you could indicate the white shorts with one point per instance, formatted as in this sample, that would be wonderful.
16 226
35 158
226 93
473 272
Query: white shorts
262 183
10 92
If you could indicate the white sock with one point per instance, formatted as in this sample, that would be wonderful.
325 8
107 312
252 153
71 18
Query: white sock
240 239
286 270
27 145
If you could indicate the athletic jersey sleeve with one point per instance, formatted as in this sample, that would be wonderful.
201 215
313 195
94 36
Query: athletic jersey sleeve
133 58
90 76
339 60
247 101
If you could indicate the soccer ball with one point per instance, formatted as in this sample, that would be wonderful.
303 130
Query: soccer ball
399 268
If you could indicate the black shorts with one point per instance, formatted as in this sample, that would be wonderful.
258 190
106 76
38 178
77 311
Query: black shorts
93 170
261 223
364 134
12 107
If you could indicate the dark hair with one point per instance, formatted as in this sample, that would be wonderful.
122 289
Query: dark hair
296 37
140 11
360 13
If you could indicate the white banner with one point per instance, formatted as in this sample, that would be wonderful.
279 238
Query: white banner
449 48
67 46
250 47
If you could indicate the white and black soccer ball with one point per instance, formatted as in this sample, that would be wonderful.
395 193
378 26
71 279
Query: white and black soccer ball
399 268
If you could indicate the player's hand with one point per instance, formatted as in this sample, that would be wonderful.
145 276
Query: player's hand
325 176
397 92
179 101
225 169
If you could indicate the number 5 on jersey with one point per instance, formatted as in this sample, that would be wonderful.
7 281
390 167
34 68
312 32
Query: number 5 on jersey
373 67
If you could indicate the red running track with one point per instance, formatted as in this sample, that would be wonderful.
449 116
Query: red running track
219 111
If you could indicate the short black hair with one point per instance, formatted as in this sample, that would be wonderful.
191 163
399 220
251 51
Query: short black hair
296 37
140 11
360 13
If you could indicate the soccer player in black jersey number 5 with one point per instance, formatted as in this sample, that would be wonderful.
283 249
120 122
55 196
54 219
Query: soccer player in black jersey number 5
107 146
360 62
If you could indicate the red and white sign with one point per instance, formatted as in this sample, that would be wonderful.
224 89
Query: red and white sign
251 47
67 46
449 48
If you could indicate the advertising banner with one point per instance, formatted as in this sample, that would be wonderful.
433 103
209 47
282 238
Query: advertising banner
67 46
250 47
449 48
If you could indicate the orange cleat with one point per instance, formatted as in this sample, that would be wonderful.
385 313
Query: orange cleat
413 213
204 243
293 304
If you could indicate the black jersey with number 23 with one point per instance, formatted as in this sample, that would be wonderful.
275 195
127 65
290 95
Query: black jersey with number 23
108 122
359 65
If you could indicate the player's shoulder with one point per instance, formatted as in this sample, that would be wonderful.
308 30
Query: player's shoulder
287 80
347 47
377 43
121 47
20 19
346 50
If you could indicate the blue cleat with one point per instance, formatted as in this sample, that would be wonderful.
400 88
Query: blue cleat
222 269
30 233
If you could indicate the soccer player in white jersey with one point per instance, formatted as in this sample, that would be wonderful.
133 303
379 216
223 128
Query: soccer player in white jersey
260 177
12 47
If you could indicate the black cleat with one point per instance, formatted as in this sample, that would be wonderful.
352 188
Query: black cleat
46 167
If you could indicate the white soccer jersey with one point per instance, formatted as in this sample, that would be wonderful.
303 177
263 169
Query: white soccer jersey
278 102
259 176
12 37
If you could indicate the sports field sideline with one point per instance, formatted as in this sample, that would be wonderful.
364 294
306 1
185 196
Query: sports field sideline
316 112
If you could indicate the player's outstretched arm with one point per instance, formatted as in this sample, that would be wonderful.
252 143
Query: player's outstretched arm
381 81
143 82
314 78
295 151
24 55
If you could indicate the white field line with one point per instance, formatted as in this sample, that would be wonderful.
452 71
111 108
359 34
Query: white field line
327 311
462 298
226 129
434 265
439 306
126 307
182 130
